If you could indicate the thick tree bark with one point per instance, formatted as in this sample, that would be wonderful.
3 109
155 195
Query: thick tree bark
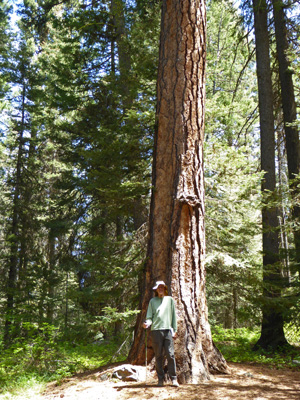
176 241
272 334
289 111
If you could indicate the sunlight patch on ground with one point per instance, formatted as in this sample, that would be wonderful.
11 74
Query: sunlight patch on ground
32 393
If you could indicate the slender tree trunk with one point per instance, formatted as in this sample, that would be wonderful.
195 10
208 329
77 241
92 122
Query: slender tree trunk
272 334
67 304
51 273
177 241
289 112
235 306
284 242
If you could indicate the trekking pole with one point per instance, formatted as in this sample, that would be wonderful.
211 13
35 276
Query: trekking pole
146 352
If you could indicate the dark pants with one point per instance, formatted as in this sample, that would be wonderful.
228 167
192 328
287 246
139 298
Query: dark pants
162 341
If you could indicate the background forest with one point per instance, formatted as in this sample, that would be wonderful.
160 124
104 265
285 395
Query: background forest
78 98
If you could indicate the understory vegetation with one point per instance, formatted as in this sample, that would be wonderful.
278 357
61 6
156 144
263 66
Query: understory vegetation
44 357
237 346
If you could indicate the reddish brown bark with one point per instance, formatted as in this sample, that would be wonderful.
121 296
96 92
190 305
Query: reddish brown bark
177 239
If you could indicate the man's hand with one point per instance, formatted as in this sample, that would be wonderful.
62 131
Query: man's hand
146 325
175 335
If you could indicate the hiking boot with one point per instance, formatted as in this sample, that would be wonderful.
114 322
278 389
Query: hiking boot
175 383
160 383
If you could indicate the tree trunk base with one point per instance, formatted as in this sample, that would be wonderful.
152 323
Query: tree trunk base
207 362
217 363
264 343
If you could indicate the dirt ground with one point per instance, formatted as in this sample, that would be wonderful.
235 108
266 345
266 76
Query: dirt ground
245 382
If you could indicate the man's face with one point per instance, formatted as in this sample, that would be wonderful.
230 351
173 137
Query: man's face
161 290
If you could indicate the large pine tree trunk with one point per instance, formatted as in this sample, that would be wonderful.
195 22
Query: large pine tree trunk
289 111
177 241
272 334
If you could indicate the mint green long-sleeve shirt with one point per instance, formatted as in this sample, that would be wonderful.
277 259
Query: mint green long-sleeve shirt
161 313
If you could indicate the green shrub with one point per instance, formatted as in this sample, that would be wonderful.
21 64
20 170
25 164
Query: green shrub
236 345
40 356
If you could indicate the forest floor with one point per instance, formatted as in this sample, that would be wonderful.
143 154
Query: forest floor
245 381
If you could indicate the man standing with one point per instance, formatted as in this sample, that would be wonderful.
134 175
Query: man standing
161 316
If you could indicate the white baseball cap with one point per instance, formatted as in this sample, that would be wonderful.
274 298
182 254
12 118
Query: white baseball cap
159 283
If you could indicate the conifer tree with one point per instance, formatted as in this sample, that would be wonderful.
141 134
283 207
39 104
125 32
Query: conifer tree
176 240
17 179
289 111
232 179
272 334
5 42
